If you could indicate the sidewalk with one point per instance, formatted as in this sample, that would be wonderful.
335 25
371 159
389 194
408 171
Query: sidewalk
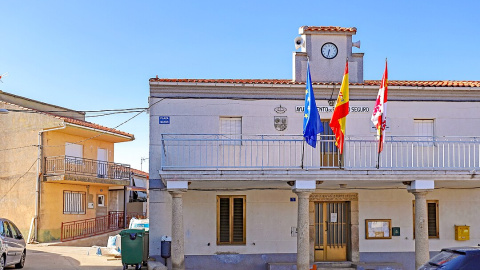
64 257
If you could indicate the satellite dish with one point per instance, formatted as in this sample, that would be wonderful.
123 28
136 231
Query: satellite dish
356 44
299 43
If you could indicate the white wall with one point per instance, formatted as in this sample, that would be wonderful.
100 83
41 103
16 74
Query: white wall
270 216
197 116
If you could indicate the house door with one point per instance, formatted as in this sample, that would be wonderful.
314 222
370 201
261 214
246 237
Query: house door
102 163
331 231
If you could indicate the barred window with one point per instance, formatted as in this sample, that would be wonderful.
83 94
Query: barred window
231 220
73 202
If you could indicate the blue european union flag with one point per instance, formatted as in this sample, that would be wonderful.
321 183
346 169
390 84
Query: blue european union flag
311 118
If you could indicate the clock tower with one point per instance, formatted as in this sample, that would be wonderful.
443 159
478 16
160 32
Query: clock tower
327 48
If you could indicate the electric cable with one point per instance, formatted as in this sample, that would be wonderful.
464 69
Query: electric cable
16 181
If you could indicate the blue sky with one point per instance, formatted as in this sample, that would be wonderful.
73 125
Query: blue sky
93 55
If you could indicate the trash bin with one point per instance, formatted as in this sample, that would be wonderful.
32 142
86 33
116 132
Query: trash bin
166 248
145 248
132 247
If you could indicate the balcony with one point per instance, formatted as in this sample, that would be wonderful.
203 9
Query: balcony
67 168
182 152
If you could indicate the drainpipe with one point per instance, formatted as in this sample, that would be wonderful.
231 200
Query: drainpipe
39 178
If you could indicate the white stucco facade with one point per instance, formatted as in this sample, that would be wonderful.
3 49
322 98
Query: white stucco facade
261 164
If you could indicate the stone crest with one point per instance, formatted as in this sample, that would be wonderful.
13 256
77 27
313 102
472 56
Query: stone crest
280 123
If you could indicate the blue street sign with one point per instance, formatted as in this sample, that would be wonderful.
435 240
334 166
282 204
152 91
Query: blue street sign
164 120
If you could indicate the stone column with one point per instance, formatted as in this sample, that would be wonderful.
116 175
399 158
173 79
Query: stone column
420 188
303 244
303 189
176 189
422 249
178 239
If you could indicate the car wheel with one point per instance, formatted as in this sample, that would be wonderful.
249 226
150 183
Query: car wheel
2 262
21 264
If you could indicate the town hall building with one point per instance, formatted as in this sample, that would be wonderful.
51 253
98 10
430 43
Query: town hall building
235 187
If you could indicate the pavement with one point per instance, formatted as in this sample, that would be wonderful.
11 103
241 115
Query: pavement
41 256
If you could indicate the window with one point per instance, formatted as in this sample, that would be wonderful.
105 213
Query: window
101 200
74 150
6 230
231 219
73 202
327 143
424 130
231 129
432 217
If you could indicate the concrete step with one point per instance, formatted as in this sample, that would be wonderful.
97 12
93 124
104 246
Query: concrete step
378 266
320 266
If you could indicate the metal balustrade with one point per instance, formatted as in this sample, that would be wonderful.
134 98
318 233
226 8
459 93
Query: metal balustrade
88 167
84 228
281 152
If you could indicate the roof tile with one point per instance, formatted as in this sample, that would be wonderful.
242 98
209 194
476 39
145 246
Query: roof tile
290 82
329 29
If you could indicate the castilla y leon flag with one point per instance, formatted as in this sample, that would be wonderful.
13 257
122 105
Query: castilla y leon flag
379 116
339 117
311 120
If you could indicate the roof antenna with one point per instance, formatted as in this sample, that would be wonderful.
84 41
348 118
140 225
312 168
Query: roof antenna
3 75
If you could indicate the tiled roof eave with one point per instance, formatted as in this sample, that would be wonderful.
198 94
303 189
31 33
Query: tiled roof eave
275 82
97 128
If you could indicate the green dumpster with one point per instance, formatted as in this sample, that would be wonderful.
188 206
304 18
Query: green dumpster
145 248
132 247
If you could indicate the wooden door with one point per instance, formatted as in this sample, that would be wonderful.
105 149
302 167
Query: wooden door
331 231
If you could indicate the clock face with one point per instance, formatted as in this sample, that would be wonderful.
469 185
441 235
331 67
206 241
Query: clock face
329 50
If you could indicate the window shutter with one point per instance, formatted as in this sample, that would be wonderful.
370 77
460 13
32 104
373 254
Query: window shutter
432 219
74 150
231 127
224 220
238 220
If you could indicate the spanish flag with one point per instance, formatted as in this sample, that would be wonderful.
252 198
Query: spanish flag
339 117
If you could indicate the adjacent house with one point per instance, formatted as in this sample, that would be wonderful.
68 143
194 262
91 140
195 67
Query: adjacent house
137 195
56 170
235 186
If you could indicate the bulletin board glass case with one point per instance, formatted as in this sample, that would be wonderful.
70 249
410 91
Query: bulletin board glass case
378 229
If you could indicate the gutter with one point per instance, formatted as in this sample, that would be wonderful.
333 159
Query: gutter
39 179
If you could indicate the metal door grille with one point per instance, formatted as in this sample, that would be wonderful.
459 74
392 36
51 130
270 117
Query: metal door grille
334 229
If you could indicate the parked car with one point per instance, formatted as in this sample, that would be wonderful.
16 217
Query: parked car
12 245
460 258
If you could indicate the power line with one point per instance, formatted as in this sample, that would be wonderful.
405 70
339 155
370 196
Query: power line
16 181
79 111
81 141
144 110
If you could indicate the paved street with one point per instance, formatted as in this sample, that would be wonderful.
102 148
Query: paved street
59 257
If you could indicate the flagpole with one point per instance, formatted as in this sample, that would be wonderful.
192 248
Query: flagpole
303 151
378 150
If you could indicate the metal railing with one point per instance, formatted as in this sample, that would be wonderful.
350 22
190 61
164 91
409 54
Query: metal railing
80 229
281 152
89 167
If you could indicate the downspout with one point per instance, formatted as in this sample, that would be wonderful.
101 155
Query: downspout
39 178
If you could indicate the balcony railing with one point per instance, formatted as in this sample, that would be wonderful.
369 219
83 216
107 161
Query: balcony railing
275 152
59 165
94 226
